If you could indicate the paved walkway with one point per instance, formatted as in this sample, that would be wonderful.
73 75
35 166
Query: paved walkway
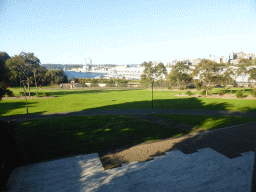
128 111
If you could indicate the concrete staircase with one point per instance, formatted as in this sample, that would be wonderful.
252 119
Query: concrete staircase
205 170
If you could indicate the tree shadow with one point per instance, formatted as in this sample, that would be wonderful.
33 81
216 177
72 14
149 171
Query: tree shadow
228 142
6 107
90 91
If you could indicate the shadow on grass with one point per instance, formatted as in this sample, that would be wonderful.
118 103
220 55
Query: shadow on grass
90 91
108 135
9 106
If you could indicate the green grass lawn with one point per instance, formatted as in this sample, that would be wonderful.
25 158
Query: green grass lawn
79 100
42 140
47 139
206 122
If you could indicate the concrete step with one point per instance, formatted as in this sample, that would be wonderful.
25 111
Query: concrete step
205 170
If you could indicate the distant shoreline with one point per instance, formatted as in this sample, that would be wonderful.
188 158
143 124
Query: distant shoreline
88 71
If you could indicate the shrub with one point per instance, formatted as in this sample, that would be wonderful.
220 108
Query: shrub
239 94
221 92
45 94
188 93
169 87
27 93
203 93
253 92
9 93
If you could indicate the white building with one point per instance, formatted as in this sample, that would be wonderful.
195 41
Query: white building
131 73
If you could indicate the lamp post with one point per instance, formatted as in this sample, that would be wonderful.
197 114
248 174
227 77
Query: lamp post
25 95
34 71
152 91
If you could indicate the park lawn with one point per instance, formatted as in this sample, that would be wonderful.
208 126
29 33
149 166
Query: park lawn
79 100
206 122
48 139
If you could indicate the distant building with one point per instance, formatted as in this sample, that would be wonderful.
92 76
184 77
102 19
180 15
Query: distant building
251 56
240 55
234 61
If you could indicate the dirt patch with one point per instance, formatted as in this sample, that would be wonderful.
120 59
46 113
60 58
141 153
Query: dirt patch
146 151
217 96
229 142
31 97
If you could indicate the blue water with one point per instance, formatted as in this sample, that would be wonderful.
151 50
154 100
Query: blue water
73 74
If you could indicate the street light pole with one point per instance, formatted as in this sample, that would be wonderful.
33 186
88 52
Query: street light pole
152 92
25 95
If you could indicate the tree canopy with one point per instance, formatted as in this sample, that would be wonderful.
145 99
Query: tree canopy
208 71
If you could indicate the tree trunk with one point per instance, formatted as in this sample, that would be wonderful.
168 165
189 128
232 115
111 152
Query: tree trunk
29 87
224 89
230 90
36 87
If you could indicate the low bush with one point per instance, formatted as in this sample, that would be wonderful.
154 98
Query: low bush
253 92
27 93
221 92
203 93
45 94
239 94
169 87
188 93
9 93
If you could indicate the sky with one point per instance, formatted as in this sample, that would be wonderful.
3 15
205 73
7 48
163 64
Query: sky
126 31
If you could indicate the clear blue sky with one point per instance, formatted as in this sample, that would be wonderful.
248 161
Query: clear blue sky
126 31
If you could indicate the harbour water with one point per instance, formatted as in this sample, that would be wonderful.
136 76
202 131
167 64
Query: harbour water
73 74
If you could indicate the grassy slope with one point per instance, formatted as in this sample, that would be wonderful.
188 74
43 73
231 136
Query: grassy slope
207 122
41 140
78 100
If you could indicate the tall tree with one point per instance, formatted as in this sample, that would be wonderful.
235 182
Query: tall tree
160 70
227 78
179 75
22 65
4 56
252 73
243 71
207 71
4 80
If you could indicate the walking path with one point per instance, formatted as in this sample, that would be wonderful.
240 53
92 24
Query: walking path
128 111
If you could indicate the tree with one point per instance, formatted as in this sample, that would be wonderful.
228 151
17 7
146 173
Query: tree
156 71
4 80
4 56
207 71
243 71
252 73
179 75
227 77
56 76
22 65
39 73
160 70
